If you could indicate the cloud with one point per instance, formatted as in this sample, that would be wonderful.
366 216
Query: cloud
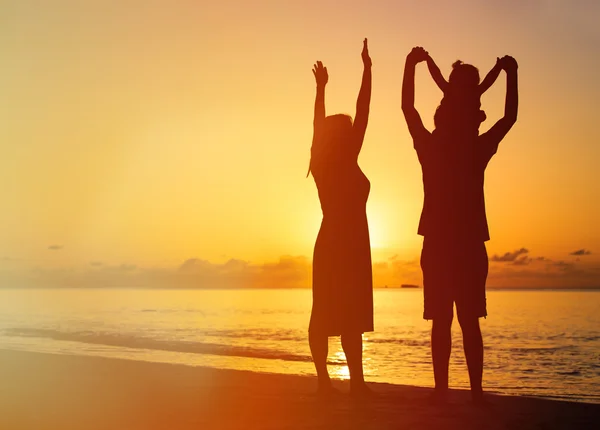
518 257
541 272
514 269
126 267
288 271
55 247
522 261
562 266
395 271
192 265
520 269
380 265
581 252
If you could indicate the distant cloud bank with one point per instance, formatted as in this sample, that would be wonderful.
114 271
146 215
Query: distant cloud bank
520 269
517 268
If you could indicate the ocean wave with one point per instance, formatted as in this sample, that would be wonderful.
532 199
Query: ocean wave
406 342
570 373
258 334
542 349
129 341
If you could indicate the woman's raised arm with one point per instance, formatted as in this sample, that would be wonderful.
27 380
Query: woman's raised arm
321 78
364 99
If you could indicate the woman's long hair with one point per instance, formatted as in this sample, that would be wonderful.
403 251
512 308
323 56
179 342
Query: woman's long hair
327 146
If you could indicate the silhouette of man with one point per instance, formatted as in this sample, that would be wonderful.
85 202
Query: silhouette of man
453 222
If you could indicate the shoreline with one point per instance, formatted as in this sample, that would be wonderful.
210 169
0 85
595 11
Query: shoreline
48 391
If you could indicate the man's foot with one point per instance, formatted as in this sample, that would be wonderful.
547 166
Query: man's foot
438 398
479 399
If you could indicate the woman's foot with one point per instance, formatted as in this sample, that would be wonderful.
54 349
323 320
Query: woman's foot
326 389
361 390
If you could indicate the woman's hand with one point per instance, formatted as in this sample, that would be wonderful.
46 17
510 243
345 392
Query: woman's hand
365 54
320 73
417 55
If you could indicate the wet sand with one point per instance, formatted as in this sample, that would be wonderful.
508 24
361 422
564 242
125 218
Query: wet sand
47 391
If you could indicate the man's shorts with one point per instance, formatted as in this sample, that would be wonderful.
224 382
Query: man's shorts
454 272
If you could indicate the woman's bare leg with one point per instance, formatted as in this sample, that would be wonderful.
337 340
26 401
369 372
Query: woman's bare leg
319 348
352 344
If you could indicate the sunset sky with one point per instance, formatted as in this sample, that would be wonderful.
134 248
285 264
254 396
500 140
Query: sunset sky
152 142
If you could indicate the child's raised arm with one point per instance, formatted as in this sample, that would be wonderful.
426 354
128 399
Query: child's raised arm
436 74
490 78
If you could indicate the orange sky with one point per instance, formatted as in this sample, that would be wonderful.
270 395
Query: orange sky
139 135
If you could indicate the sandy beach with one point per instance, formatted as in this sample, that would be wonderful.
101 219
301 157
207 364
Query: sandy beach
44 391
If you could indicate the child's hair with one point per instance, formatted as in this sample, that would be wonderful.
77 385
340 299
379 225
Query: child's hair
464 75
460 109
461 99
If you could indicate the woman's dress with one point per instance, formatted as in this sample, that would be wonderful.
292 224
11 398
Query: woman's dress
342 272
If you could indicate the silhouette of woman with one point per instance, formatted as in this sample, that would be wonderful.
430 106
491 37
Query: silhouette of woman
342 273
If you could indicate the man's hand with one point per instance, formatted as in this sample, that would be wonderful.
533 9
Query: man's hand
508 63
417 55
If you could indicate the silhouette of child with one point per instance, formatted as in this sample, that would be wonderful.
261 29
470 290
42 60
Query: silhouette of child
463 87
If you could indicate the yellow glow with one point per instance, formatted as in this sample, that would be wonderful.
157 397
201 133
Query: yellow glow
377 232
185 130
339 371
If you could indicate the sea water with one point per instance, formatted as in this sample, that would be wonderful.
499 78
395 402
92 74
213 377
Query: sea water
537 342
